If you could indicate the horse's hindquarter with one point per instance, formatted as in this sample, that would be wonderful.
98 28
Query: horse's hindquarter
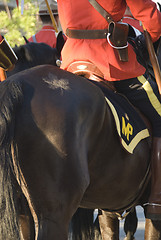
57 126
117 178
71 145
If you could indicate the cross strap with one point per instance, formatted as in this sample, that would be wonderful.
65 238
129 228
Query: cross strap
101 10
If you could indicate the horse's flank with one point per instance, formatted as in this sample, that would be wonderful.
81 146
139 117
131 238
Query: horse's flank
68 149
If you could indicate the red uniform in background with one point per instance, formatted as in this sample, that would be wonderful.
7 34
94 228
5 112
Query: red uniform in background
47 35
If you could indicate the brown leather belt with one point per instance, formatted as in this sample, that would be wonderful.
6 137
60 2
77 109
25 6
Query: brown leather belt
87 34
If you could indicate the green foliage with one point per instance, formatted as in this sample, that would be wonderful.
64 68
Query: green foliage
20 25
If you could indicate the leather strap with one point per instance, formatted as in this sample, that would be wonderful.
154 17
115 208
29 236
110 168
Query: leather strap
87 34
101 10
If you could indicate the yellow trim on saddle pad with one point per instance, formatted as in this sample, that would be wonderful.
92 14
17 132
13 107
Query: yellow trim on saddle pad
137 138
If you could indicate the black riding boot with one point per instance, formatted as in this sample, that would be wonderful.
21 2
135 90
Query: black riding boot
153 210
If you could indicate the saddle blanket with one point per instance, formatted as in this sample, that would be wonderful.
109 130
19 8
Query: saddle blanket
130 126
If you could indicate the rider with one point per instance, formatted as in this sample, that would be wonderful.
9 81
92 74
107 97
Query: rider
127 75
47 34
7 58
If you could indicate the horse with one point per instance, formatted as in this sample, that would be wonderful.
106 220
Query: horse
32 54
60 143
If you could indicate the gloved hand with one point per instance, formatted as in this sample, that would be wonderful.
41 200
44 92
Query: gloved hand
139 46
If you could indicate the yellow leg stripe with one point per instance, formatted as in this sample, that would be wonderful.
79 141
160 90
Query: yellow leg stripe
152 97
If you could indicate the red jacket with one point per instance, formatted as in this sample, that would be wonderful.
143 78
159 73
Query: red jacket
81 15
133 22
46 35
1 38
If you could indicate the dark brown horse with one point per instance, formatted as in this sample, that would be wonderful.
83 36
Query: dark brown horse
32 54
59 141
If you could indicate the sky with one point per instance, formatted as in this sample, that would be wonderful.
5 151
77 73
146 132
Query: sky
159 1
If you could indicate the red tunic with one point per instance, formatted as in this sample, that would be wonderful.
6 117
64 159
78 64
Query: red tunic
1 38
46 35
81 15
133 22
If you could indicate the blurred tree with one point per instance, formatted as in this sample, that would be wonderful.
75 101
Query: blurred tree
20 25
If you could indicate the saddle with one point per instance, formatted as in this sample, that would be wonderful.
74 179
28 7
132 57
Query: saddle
85 69
90 71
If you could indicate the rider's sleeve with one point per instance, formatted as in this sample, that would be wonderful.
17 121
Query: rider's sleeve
146 11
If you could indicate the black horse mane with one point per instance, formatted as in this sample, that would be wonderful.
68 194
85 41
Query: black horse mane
8 199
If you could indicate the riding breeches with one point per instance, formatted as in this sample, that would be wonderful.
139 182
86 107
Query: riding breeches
143 93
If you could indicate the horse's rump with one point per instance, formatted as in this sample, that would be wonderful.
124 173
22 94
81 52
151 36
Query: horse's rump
67 147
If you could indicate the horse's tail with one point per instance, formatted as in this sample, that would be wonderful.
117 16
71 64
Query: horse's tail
10 97
83 226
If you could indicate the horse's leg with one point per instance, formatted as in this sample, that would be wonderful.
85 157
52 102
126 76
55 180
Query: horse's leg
52 218
54 201
130 224
26 227
26 222
56 224
109 226
152 230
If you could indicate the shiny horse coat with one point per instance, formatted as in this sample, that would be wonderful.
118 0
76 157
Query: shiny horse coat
59 138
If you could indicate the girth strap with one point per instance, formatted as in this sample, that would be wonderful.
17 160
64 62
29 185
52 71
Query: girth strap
87 34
